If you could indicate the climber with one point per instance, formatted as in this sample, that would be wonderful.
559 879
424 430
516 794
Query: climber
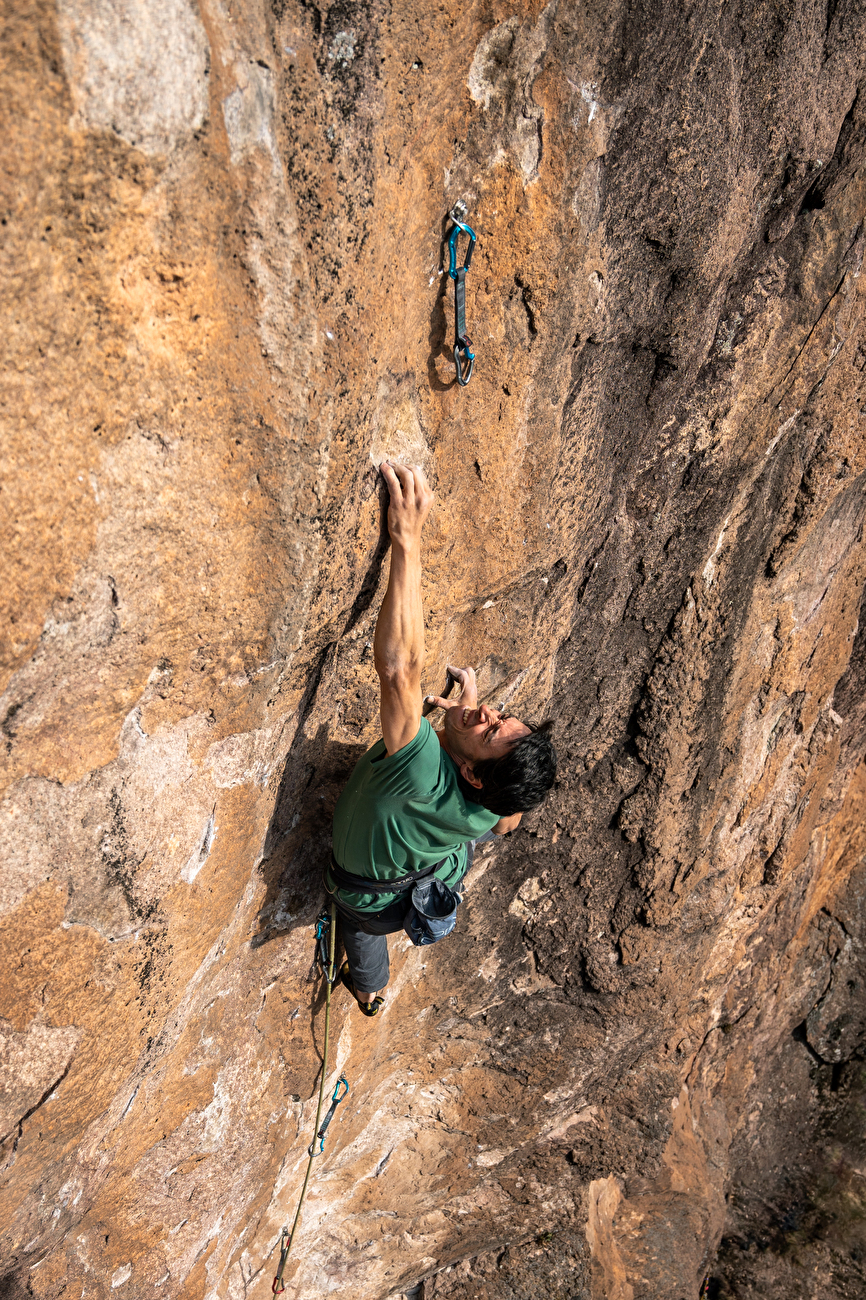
417 802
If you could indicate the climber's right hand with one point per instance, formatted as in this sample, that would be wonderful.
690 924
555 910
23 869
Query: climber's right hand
411 499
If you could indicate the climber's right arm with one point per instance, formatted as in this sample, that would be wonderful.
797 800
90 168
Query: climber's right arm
398 645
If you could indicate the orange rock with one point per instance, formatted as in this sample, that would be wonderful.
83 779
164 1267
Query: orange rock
224 305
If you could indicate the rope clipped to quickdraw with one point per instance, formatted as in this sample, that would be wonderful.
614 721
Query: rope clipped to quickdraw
464 360
326 927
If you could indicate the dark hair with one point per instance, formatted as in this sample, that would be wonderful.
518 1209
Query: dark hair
518 780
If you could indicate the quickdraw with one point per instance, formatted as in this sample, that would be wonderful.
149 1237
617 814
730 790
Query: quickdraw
326 927
285 1244
335 1101
462 342
323 930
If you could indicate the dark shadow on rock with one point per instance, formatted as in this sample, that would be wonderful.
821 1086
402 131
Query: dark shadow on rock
367 589
298 842
317 1005
297 850
13 1287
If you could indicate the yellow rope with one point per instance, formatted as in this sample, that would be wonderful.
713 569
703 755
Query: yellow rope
287 1236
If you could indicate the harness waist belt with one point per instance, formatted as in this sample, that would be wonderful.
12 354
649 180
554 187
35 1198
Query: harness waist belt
362 885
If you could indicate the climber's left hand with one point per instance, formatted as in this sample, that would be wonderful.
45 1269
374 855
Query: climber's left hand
468 699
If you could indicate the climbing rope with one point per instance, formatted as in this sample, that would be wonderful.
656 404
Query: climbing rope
462 341
326 927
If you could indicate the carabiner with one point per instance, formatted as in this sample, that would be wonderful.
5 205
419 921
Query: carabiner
453 234
338 1096
462 341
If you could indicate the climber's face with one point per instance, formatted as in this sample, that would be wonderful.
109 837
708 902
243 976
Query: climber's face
472 735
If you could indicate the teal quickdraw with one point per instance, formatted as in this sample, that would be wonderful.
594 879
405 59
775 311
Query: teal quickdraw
323 933
464 359
335 1101
323 926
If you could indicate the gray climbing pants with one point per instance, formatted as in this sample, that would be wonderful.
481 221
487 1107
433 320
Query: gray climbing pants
365 934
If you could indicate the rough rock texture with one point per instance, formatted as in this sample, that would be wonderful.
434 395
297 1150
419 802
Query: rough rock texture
223 303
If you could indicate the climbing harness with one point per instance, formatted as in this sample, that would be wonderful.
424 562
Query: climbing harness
335 1101
326 927
366 885
462 342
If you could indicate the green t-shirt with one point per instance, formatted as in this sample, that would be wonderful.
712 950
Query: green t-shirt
401 812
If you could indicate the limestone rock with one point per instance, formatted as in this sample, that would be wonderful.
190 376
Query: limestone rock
224 303
136 69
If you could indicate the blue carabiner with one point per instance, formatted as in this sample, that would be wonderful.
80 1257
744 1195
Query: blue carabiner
462 341
345 1082
452 246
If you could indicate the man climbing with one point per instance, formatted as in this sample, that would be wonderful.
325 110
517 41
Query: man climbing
417 802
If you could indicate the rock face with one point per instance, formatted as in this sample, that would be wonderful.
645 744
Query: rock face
642 1052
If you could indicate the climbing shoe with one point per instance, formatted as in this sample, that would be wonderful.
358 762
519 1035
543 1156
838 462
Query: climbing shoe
367 1008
